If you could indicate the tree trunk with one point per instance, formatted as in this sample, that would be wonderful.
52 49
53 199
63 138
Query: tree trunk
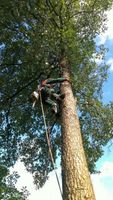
75 176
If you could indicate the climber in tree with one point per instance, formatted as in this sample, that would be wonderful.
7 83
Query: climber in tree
48 93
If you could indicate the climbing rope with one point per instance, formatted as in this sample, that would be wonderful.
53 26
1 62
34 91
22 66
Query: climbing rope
49 145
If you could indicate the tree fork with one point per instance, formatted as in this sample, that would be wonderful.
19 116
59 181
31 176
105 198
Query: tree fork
75 175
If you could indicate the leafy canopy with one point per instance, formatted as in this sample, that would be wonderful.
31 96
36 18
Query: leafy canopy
8 190
33 36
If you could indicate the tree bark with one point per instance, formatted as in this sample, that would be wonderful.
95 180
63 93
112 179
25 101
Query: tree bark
75 176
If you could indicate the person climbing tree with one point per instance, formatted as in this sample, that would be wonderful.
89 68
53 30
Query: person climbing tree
48 93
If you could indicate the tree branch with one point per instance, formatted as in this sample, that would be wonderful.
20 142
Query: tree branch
8 122
8 64
21 89
52 8
25 86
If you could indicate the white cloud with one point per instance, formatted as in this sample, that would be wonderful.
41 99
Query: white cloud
50 190
107 169
110 62
101 191
101 182
25 179
108 34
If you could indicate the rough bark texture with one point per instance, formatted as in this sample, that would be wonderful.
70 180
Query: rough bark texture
75 176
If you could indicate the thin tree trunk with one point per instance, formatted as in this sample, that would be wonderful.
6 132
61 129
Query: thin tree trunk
75 176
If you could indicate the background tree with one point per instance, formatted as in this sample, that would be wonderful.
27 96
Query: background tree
33 36
8 190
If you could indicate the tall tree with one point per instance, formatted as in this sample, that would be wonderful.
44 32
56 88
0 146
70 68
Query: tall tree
56 38
75 175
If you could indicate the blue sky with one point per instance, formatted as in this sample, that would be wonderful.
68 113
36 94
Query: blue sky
107 39
102 182
107 88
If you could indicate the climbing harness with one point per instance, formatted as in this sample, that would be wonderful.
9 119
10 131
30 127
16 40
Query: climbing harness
49 145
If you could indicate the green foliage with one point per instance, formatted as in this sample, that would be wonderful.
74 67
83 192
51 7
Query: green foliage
8 190
33 36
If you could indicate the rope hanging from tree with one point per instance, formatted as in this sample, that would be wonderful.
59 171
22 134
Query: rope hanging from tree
49 145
